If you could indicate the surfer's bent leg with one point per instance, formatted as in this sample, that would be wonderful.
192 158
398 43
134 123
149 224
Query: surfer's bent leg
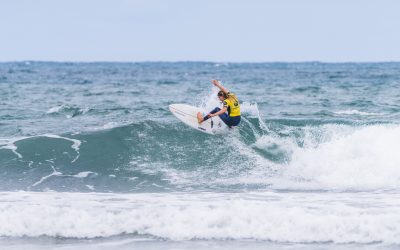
212 112
224 116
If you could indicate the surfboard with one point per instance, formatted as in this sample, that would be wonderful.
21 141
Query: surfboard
188 115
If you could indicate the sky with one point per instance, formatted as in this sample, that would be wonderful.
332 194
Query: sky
200 30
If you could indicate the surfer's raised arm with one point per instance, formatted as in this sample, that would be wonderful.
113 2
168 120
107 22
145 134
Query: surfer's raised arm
219 85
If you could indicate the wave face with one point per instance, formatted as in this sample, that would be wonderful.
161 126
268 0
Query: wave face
317 142
152 156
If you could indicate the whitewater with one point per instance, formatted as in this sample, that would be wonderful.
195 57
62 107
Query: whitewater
91 157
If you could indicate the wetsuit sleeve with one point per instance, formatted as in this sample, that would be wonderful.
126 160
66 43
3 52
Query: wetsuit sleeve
226 104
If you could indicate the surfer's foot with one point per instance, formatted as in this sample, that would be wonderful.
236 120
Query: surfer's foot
200 118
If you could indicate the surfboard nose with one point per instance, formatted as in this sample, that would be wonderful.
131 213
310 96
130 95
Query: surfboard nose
172 107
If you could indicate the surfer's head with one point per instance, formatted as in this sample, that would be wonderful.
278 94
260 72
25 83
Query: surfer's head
222 95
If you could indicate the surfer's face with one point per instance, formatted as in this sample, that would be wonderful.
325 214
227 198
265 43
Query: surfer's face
221 98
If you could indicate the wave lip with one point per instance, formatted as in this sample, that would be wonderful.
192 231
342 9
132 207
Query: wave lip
277 217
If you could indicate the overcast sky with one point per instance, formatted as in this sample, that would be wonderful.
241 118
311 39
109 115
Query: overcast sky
200 30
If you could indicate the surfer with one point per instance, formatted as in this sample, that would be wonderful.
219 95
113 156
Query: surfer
230 112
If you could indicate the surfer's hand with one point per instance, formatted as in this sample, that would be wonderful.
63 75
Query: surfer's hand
215 82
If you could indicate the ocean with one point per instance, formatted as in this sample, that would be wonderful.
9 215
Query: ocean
91 157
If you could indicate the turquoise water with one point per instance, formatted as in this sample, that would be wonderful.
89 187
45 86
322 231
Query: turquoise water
90 154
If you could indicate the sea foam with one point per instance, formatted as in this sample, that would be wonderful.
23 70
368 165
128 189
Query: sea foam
278 217
342 157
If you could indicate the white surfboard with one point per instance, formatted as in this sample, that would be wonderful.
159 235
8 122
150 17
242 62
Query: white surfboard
188 115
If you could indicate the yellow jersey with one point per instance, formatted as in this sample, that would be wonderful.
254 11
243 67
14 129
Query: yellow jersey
232 104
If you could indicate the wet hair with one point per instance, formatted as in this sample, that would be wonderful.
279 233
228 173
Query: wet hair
222 93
